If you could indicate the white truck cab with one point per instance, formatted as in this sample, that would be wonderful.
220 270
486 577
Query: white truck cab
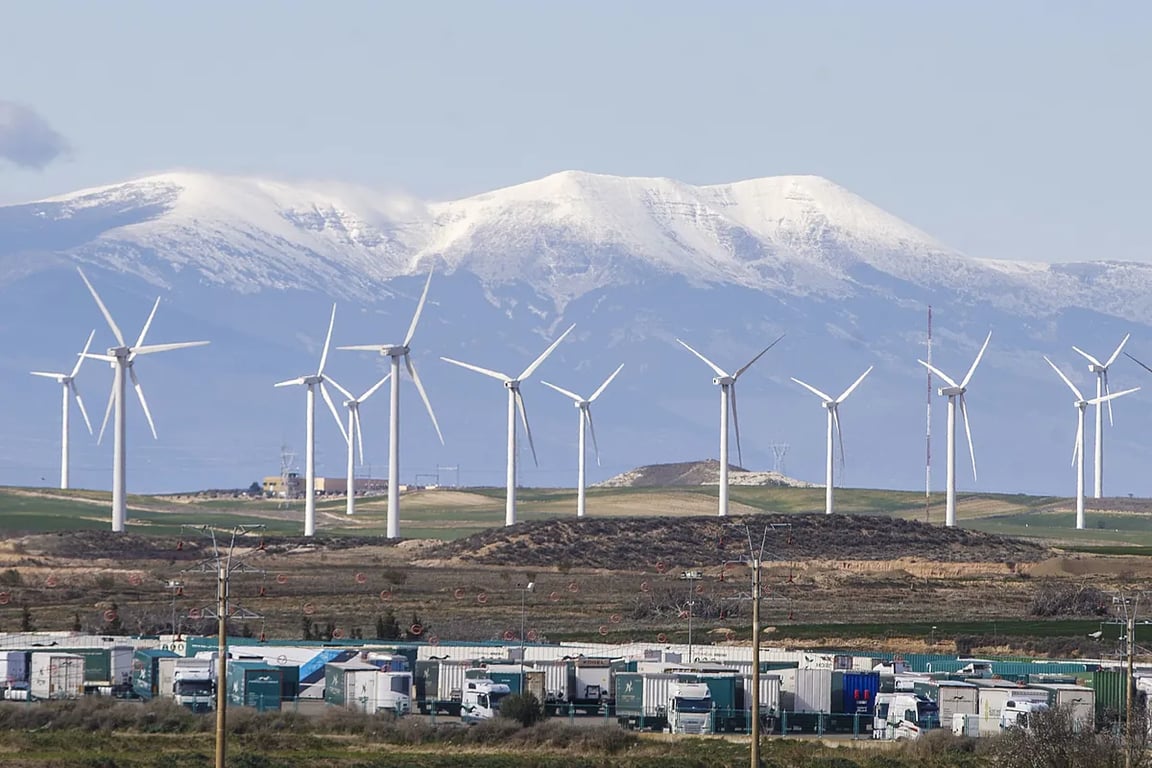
689 708
481 700
1018 713
904 715
194 684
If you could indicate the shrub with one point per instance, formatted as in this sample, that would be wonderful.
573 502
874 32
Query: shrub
524 708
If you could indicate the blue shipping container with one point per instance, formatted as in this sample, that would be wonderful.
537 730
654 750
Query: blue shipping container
860 689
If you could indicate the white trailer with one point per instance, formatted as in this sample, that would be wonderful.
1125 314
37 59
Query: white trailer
56 675
991 701
813 690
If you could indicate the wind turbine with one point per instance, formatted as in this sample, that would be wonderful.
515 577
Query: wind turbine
832 405
122 358
1101 371
396 352
69 391
1078 451
727 383
354 436
313 381
953 392
585 408
515 402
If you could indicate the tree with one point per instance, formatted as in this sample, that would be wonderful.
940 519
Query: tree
306 629
1053 739
26 624
255 489
76 626
387 628
524 708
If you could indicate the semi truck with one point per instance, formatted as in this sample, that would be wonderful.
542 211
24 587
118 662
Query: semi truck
662 701
902 715
481 698
194 684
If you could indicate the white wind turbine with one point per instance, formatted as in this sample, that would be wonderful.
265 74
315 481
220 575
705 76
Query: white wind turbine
585 408
354 435
727 383
122 359
313 381
396 352
832 405
515 402
953 392
69 391
1101 371
1078 451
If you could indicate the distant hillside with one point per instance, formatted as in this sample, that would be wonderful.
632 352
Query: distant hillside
696 473
639 543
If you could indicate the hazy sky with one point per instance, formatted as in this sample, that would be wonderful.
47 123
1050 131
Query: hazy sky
1005 129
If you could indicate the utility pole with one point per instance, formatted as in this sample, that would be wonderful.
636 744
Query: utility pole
224 562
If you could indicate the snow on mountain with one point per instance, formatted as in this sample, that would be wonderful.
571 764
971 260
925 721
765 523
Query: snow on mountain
254 265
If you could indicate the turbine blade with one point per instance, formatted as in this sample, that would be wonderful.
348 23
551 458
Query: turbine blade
423 396
855 384
478 369
839 433
147 324
604 386
365 347
719 371
332 408
1067 381
1107 391
563 391
327 342
347 395
527 429
592 432
968 434
976 362
1116 354
372 390
80 403
544 355
753 360
419 309
143 403
359 431
1087 356
47 375
940 373
1079 437
98 356
149 349
735 420
822 395
290 382
103 309
1112 396
107 412
1138 362
80 357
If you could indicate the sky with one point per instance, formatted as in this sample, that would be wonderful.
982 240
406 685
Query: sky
1006 130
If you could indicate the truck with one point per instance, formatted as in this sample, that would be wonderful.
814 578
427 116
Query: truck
194 684
689 708
56 675
953 697
1017 713
1079 699
480 699
438 685
901 715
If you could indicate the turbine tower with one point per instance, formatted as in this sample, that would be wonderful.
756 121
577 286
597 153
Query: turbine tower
1078 451
122 359
1101 371
354 436
396 352
953 392
584 406
515 402
727 383
69 391
832 405
313 381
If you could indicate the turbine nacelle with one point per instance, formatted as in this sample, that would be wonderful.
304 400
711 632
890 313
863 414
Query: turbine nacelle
723 381
952 391
513 384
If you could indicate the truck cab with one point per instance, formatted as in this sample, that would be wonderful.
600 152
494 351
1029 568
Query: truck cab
689 708
481 700
1018 713
194 684
903 715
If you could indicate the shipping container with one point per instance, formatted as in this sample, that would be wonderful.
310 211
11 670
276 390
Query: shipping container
813 692
253 684
147 676
1080 700
56 675
13 667
1111 687
854 692
991 696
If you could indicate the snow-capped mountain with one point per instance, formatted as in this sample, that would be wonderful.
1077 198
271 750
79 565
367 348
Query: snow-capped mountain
252 265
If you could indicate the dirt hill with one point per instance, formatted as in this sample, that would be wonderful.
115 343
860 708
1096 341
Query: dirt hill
692 473
639 543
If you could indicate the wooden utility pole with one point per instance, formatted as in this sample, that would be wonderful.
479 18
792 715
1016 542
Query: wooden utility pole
1129 683
756 563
